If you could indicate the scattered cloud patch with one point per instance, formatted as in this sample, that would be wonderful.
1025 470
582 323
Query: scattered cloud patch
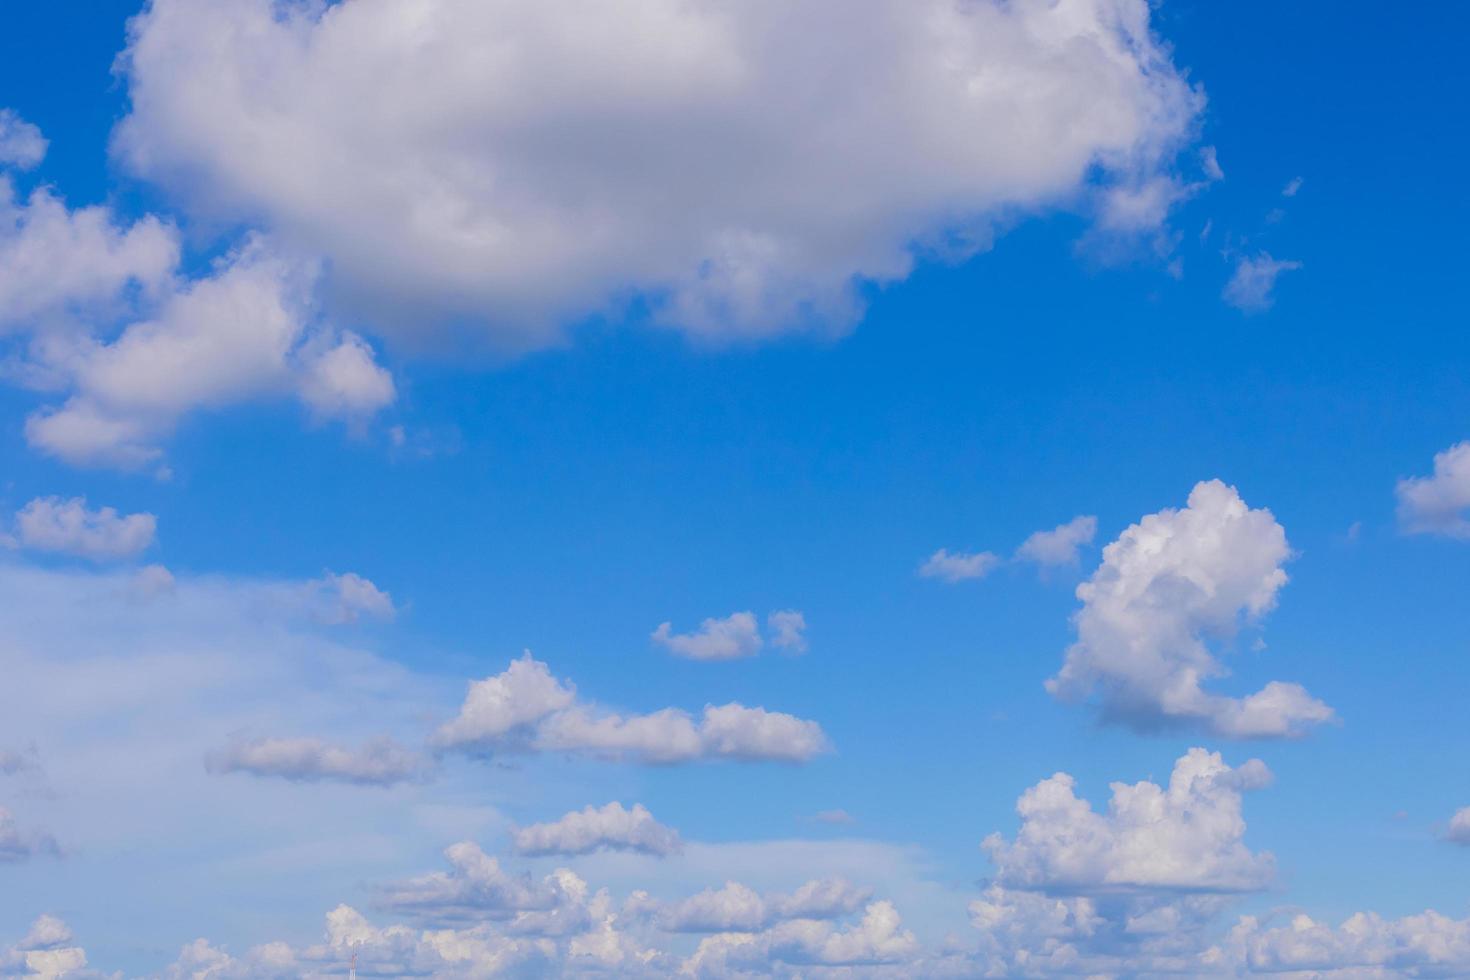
735 636
1458 831
611 827
787 628
380 762
1252 285
18 844
347 598
1438 503
960 566
1291 188
1166 587
526 709
1060 546
68 527
1187 836
835 817
21 144
738 908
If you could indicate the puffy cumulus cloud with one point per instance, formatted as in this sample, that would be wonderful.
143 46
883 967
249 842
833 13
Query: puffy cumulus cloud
347 598
19 844
46 953
1061 545
737 635
1186 836
380 762
69 527
611 827
1458 830
57 264
524 164
1253 283
1366 944
959 566
526 709
1170 584
738 908
246 331
788 630
477 887
1439 503
21 144
793 948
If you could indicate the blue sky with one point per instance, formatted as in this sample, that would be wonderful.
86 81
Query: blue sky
565 361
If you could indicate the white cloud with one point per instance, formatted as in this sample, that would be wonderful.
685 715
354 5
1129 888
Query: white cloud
735 636
611 827
1291 188
1459 828
1187 836
1165 587
738 908
1210 162
1253 281
1365 945
958 567
19 844
1438 504
45 953
57 264
476 887
1061 545
525 164
835 817
246 331
525 709
68 527
878 938
788 630
380 762
346 598
21 144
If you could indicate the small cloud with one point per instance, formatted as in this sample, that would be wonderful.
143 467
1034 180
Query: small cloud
381 762
1292 186
1250 287
21 144
1438 503
787 628
731 638
1061 545
1458 831
1210 163
960 566
609 828
341 599
835 817
67 527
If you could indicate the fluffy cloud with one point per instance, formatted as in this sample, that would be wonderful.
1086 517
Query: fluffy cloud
1060 545
246 331
735 636
340 599
611 827
1188 836
380 762
878 938
958 567
525 709
21 143
476 887
68 527
45 953
1439 503
524 164
1458 830
57 265
1169 584
1253 282
1425 945
788 630
738 908
18 844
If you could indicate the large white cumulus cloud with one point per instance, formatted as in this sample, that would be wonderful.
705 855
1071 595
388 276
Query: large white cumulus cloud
745 166
1170 585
